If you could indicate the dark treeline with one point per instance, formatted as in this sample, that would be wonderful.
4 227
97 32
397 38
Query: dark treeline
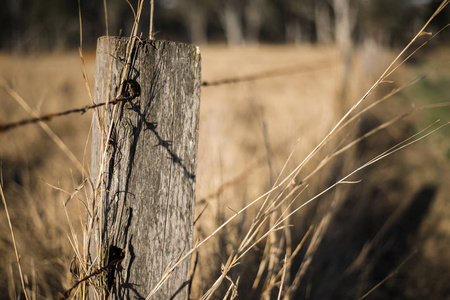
41 25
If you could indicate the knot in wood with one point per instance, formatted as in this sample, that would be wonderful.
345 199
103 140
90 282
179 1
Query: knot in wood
131 89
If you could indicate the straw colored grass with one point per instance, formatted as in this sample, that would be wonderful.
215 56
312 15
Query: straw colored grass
269 151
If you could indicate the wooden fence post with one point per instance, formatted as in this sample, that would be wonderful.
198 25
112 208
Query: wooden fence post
143 205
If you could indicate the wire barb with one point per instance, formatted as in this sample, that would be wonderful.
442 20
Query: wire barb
130 95
132 90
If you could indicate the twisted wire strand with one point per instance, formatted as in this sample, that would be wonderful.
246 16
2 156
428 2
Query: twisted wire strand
256 76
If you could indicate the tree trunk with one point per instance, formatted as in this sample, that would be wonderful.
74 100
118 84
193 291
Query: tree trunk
143 205
345 18
253 18
232 23
197 25
323 22
293 30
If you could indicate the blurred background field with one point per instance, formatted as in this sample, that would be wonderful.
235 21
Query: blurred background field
247 131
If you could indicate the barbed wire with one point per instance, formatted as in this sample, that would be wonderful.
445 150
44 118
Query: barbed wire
252 77
292 70
49 117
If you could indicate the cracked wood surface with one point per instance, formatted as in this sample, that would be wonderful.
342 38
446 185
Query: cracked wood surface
147 193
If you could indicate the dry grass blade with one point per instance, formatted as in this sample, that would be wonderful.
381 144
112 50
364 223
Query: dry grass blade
132 9
391 67
14 242
251 235
188 254
370 133
271 203
381 79
393 273
294 285
80 52
244 247
152 10
232 290
282 278
96 272
419 47
45 127
383 155
234 293
319 232
341 181
105 12
104 158
46 118
49 117
129 51
225 269
384 98
200 214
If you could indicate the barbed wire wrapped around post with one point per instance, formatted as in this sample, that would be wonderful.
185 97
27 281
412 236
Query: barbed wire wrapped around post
132 91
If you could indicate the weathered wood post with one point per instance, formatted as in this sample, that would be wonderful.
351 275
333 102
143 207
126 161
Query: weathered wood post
143 205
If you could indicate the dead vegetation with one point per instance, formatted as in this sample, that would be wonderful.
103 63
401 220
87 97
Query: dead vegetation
384 225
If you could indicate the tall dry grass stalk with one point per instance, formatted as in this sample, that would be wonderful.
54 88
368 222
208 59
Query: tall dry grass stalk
14 242
265 224
90 266
276 207
278 204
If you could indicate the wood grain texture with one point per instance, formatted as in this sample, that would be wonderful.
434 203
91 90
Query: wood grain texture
147 193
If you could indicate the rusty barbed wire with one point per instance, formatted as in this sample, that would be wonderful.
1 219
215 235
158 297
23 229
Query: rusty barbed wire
49 117
297 69
252 77
131 91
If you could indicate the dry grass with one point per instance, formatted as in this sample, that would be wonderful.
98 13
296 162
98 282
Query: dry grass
247 131
30 160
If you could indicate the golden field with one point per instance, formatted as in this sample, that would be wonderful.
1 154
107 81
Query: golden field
247 132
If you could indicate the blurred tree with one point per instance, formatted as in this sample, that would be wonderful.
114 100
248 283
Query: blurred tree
441 20
230 13
345 16
119 16
298 18
30 25
93 21
195 14
16 10
49 24
390 23
253 18
323 21
345 13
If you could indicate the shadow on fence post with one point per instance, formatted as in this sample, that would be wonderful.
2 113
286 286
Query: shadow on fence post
143 206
